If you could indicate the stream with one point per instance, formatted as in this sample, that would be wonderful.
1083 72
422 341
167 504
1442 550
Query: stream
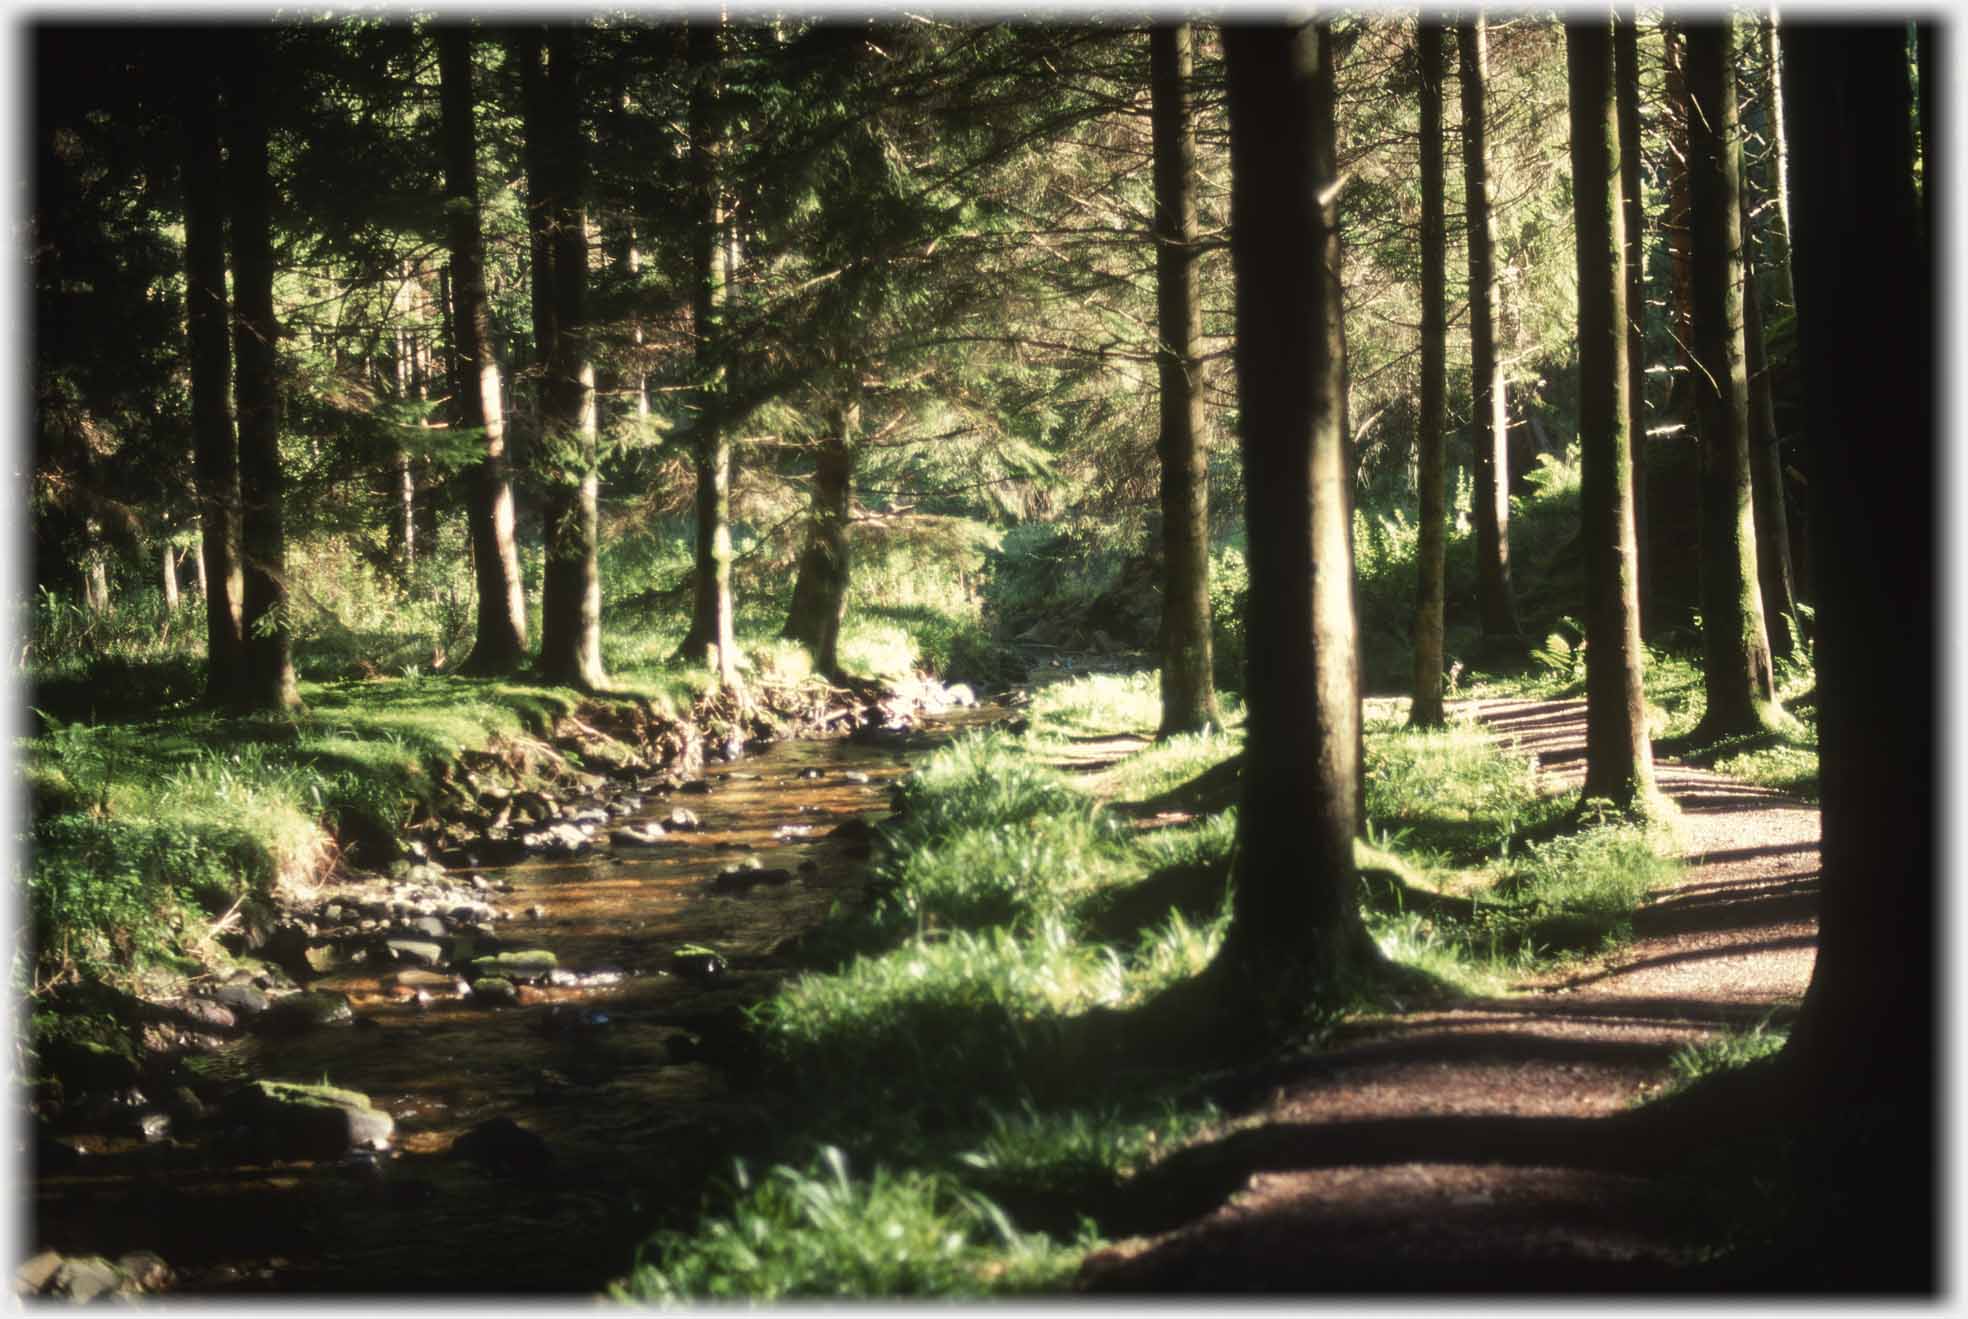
607 1073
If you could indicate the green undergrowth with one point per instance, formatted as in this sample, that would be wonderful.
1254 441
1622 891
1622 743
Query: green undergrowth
941 1032
819 1231
144 831
1785 759
1726 1052
152 815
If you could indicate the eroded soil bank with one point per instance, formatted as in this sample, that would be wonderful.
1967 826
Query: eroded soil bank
543 989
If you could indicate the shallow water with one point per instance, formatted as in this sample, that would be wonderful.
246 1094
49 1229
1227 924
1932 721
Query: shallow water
633 1130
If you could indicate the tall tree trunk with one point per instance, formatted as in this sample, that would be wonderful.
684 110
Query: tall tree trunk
1861 1062
1674 226
820 591
1296 925
1188 660
1490 430
168 558
712 632
215 449
401 487
1766 473
570 588
267 681
198 565
500 645
1619 758
638 372
1736 669
1778 231
1626 91
1333 264
95 578
1432 569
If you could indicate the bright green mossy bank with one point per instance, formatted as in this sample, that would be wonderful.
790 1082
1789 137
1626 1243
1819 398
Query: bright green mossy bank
144 831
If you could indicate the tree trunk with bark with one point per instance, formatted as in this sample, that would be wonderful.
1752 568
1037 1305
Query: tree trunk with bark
1490 429
1432 567
1619 758
1778 230
215 449
570 585
1766 471
1296 928
500 645
267 676
1188 661
95 580
1674 226
820 591
1626 90
1861 1062
712 634
1736 667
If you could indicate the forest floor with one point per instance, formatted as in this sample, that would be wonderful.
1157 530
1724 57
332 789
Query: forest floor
1465 1148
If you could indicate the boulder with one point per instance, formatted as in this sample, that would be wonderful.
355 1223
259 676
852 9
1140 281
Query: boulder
517 965
288 1120
35 1274
495 991
243 998
144 1271
635 835
84 1278
696 962
417 952
86 1064
558 840
305 1011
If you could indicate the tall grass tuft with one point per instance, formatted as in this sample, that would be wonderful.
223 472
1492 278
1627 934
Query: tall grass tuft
817 1232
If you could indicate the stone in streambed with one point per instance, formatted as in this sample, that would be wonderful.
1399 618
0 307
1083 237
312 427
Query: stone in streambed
520 964
495 991
242 998
305 1011
417 952
696 962
37 1273
649 835
287 1120
84 1278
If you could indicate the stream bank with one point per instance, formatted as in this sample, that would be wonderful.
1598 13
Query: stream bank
510 1037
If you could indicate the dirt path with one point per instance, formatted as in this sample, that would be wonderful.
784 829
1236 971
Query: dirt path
1459 1149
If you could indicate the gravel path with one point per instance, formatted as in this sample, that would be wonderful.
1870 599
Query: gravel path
1457 1149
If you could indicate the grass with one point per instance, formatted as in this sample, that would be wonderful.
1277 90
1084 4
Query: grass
146 830
1726 1052
817 1231
940 1041
153 815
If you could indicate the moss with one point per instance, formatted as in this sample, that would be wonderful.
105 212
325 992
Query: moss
515 966
310 1096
